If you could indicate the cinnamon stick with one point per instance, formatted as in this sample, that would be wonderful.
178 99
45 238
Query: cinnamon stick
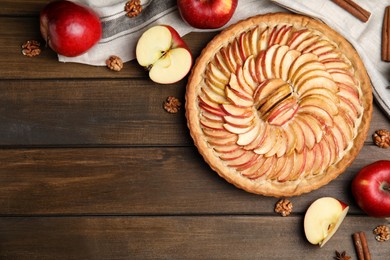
354 9
386 35
361 246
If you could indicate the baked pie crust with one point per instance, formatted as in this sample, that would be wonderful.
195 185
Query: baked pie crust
279 104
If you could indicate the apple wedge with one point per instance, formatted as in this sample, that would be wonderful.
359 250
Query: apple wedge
162 51
323 218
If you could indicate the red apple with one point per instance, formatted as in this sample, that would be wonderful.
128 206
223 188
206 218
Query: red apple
207 14
70 29
371 189
162 51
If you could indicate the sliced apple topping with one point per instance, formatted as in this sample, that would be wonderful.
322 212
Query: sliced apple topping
279 103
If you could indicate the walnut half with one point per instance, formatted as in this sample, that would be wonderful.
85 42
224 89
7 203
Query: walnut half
382 233
133 8
381 138
172 105
283 207
114 63
31 48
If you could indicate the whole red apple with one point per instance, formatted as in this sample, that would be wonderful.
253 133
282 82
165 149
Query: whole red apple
70 29
371 189
207 14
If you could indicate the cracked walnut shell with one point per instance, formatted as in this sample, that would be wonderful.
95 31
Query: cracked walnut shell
382 233
283 207
172 104
382 138
31 48
133 8
114 63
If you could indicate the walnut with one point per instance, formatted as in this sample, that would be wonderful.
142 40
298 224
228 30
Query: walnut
382 138
382 233
172 104
31 48
114 63
133 8
283 207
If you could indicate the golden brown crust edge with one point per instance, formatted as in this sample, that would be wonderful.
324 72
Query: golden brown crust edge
274 188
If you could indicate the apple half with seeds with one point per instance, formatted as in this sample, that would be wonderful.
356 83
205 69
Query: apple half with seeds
322 219
162 51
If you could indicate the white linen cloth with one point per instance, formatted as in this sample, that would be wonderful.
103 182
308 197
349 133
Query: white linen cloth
120 33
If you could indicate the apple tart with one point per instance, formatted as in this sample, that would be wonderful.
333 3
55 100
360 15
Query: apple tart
279 104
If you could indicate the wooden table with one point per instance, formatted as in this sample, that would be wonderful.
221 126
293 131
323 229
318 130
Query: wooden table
92 167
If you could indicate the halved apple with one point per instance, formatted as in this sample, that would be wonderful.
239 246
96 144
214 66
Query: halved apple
323 218
162 51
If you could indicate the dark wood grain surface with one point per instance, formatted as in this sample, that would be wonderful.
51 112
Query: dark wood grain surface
92 167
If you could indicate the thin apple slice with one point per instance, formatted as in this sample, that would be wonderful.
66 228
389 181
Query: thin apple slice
247 158
317 112
336 64
341 122
222 149
301 61
221 64
267 88
216 133
253 41
213 96
249 73
321 101
298 37
291 139
237 99
268 143
226 57
248 137
240 121
283 112
211 124
236 111
322 219
316 82
209 115
279 168
263 40
289 164
237 130
259 68
238 89
307 42
219 141
309 134
317 45
268 61
299 165
267 165
278 57
233 155
300 136
310 66
217 73
287 60
274 99
278 144
260 137
243 83
315 125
